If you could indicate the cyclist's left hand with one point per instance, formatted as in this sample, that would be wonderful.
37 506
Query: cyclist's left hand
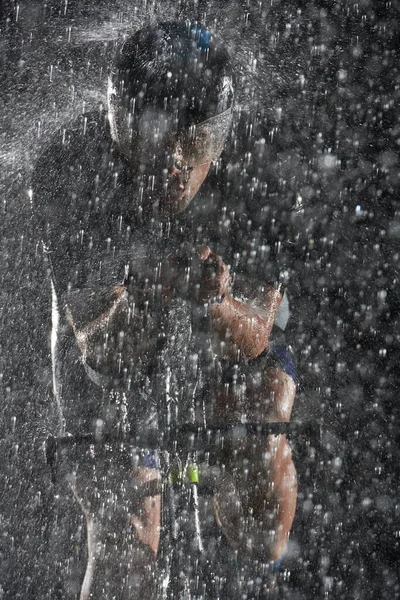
203 276
215 276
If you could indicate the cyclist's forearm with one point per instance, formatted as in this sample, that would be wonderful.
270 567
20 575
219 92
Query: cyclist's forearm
92 312
89 306
117 331
243 327
85 307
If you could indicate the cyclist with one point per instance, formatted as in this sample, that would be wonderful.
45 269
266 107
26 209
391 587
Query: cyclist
125 264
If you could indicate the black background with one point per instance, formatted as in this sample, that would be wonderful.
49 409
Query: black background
324 94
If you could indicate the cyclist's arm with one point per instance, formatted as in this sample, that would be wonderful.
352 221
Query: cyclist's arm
78 222
242 315
114 325
243 324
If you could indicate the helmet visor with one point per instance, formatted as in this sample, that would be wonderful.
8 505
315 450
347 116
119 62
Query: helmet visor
156 141
203 143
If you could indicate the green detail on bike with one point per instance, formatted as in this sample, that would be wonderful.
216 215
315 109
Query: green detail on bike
178 475
193 473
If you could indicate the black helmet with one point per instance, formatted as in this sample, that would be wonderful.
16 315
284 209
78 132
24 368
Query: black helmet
178 70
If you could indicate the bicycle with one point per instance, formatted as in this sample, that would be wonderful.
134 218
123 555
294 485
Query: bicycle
184 569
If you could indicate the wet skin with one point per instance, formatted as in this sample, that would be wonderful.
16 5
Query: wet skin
181 193
172 176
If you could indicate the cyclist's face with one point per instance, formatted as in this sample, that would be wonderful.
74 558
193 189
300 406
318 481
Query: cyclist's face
173 166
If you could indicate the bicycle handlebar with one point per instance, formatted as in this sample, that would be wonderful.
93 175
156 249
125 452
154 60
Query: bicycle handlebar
188 437
185 437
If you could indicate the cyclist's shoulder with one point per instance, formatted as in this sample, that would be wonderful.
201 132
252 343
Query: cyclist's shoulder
75 149
79 174
85 129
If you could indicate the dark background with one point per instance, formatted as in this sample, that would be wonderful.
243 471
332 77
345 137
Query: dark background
324 94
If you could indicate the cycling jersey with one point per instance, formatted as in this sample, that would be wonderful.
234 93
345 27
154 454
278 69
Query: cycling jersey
96 235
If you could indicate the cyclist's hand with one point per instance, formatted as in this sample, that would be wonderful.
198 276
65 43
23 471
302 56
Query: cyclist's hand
201 276
215 276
